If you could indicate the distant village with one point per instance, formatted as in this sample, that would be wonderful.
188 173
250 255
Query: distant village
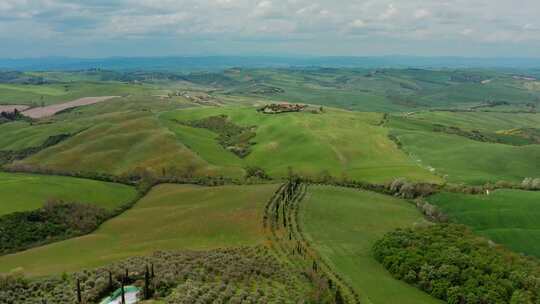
276 108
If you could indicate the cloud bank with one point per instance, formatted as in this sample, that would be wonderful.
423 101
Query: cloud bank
318 27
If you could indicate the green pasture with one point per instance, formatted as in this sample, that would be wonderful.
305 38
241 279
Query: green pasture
22 192
343 224
508 217
463 160
388 90
338 142
47 94
170 217
486 121
119 143
19 135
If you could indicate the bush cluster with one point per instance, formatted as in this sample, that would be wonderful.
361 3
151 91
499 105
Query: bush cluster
257 173
11 116
55 221
232 137
451 263
7 156
530 183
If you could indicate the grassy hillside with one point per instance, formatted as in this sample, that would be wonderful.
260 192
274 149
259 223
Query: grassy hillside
338 142
21 192
118 143
464 160
488 121
343 224
508 217
20 135
47 94
169 217
389 90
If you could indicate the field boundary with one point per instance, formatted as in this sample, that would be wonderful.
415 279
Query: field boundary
285 233
47 111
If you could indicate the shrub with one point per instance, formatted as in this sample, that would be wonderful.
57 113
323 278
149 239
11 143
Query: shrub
530 183
256 172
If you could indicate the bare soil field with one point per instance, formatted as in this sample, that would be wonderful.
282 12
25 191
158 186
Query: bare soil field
12 108
51 110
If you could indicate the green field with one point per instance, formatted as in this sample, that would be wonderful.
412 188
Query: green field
22 192
118 143
388 90
19 135
170 217
339 142
47 94
488 121
508 217
343 225
463 160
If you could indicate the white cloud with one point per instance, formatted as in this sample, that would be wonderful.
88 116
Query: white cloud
319 22
390 12
467 32
358 23
421 13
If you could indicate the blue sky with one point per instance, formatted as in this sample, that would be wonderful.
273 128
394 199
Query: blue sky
99 28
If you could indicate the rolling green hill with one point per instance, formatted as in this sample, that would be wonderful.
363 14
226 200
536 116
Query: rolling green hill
508 217
389 90
343 224
487 121
19 135
338 142
460 126
463 160
22 192
118 143
170 217
47 94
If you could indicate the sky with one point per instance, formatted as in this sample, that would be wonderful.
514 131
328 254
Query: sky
131 28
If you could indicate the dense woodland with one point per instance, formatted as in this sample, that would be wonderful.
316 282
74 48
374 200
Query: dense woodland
451 263
55 221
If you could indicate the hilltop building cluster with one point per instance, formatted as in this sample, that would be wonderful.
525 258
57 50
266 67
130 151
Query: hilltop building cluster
276 108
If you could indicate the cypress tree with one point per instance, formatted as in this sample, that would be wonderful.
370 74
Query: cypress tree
146 284
339 297
123 294
111 287
79 296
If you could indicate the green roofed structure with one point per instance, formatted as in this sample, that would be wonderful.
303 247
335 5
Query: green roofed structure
130 295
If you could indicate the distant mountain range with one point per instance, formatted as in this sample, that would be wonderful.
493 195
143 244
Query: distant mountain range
224 62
